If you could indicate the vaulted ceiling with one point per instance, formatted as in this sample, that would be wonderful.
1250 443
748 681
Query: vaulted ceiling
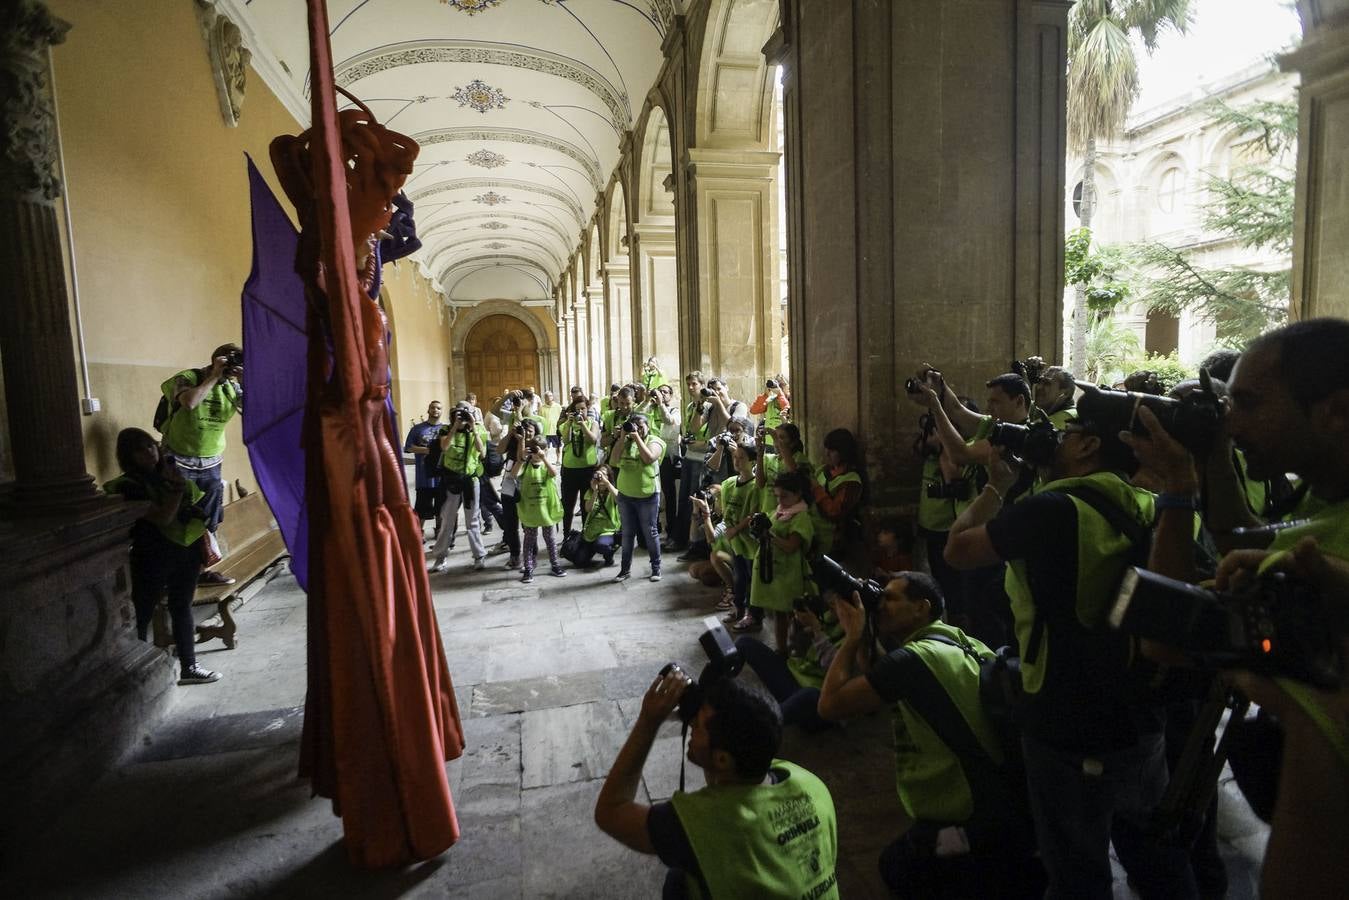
519 107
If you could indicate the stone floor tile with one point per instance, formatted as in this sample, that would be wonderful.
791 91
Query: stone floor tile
574 743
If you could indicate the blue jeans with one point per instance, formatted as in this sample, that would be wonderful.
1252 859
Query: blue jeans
1077 813
639 514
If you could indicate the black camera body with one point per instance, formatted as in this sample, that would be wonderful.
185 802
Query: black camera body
723 661
1193 421
1034 444
760 526
1280 627
830 576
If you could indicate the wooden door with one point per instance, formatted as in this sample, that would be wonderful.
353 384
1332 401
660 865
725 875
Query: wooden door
500 354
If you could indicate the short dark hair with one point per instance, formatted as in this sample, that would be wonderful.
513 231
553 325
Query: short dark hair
1013 385
792 431
842 441
1220 363
746 723
129 440
925 587
796 482
1313 356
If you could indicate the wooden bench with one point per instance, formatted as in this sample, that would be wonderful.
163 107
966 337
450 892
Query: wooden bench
251 545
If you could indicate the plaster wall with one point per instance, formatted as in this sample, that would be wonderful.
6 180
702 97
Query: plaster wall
158 191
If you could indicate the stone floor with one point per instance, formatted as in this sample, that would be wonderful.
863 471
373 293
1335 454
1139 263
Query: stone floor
548 677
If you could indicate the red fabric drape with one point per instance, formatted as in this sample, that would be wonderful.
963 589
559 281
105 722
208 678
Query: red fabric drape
380 715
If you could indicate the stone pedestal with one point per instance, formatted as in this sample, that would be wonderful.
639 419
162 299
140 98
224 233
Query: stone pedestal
1320 284
929 225
735 320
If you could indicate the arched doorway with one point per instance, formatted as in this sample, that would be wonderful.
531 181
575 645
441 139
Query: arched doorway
500 354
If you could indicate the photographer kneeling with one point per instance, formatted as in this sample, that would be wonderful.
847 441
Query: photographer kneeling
1093 749
969 836
762 827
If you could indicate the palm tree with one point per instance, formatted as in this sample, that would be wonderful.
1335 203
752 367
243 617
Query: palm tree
1102 86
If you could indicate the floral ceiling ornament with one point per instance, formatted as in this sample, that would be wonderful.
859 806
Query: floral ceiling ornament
486 159
491 198
481 96
472 7
494 225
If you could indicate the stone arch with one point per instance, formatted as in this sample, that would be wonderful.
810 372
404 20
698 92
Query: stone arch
734 106
545 340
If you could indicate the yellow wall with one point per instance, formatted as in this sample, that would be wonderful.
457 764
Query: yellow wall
158 189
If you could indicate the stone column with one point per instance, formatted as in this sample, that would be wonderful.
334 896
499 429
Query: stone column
738 293
581 320
928 206
41 396
657 316
1321 217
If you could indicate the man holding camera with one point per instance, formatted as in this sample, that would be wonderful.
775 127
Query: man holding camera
200 403
462 447
969 834
1094 750
762 827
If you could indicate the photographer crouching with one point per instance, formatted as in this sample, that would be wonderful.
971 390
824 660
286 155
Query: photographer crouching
969 836
1094 751
762 827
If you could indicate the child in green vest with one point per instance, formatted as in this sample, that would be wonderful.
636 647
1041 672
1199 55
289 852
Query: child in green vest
539 506
165 554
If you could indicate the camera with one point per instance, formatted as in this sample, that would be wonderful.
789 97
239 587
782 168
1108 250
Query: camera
915 385
760 526
1279 626
830 576
949 490
723 661
1193 421
1033 369
1034 444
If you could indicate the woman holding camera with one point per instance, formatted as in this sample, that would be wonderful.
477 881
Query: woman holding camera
538 505
580 437
636 455
165 556
786 537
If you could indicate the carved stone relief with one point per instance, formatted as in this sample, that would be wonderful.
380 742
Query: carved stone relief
229 59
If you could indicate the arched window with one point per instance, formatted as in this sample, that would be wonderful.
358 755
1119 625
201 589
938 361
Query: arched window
1169 189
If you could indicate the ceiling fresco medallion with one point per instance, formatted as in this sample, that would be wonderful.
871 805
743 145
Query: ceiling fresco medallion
494 226
472 7
481 96
486 159
491 198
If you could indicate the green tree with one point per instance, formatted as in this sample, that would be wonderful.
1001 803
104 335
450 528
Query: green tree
1252 206
1102 86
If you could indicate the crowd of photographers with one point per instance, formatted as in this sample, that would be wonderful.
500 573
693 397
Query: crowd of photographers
1057 680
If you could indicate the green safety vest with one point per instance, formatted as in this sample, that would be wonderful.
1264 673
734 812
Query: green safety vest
636 478
934 514
929 777
824 528
462 456
763 840
182 533
1102 555
578 451
602 518
538 503
738 501
199 431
